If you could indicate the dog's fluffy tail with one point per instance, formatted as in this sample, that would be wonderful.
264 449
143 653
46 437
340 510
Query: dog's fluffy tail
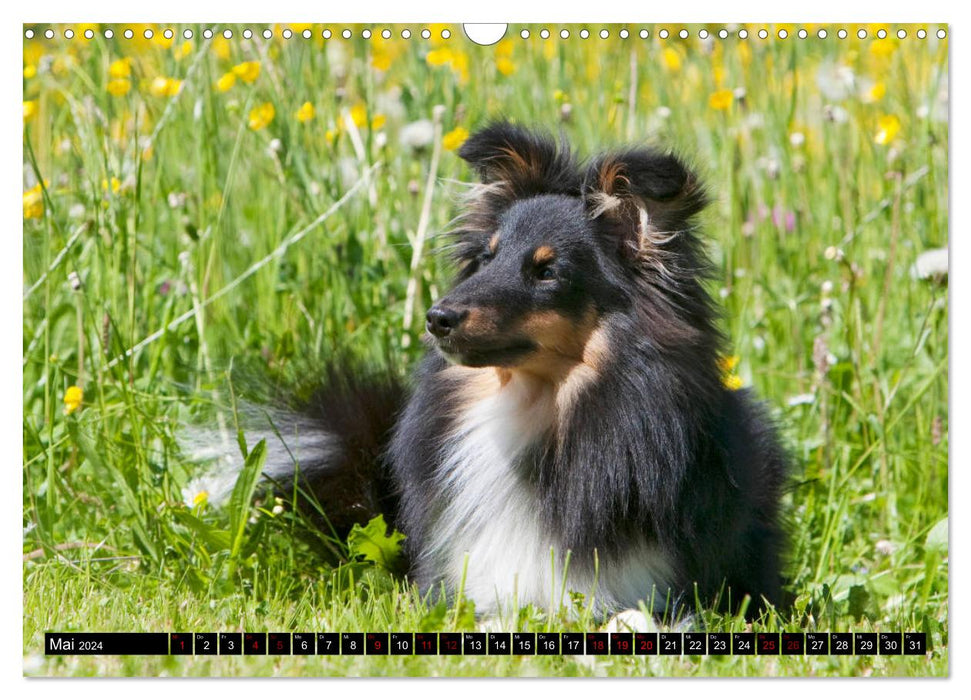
327 451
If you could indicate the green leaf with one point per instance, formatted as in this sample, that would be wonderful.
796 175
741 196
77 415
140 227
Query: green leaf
216 540
239 502
859 597
373 543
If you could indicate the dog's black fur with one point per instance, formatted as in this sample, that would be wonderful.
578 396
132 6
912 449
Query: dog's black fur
580 294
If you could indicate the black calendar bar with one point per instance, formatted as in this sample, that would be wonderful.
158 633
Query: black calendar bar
106 643
692 644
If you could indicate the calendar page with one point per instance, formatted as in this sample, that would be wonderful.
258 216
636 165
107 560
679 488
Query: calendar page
430 349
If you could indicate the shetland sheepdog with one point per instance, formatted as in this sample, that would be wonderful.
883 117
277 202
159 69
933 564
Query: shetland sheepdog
568 428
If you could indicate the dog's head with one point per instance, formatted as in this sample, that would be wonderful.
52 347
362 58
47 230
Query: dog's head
547 247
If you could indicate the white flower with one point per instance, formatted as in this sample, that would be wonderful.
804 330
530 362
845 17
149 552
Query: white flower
390 105
835 113
417 134
930 264
177 200
836 82
801 399
797 138
337 59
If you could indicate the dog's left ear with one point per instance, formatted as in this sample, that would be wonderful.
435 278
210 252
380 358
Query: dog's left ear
641 197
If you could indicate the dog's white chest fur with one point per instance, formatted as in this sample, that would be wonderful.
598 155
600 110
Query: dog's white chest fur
491 530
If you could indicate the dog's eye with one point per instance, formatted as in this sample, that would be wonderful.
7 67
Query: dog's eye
545 273
485 259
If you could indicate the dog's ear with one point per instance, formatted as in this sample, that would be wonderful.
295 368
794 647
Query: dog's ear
641 197
522 161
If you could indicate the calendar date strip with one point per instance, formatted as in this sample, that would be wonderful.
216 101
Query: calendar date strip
485 643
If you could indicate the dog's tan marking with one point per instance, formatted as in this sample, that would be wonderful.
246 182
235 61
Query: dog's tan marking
560 341
520 166
480 321
612 177
494 243
543 255
595 353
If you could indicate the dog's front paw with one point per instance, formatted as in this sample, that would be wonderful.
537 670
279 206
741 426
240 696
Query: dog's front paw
631 621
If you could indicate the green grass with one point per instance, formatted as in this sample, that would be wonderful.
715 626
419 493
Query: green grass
815 235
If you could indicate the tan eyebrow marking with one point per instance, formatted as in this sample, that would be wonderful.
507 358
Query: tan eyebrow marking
544 254
494 243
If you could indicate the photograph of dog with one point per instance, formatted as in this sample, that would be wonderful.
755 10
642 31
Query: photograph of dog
374 329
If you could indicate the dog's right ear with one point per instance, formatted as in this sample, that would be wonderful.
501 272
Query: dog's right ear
526 162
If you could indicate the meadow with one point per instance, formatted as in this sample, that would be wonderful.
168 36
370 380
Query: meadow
199 209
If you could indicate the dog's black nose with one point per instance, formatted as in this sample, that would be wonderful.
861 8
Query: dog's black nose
441 321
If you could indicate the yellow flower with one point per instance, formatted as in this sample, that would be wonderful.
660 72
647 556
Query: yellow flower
114 184
456 60
147 153
226 82
888 126
721 99
672 59
883 47
744 53
247 72
30 110
182 50
359 114
82 28
220 47
165 87
504 63
384 52
119 86
305 113
728 363
439 57
201 498
72 399
455 138
560 96
120 68
732 382
260 117
378 121
876 93
160 40
381 60
30 71
331 136
460 66
34 202
505 66
33 52
436 38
